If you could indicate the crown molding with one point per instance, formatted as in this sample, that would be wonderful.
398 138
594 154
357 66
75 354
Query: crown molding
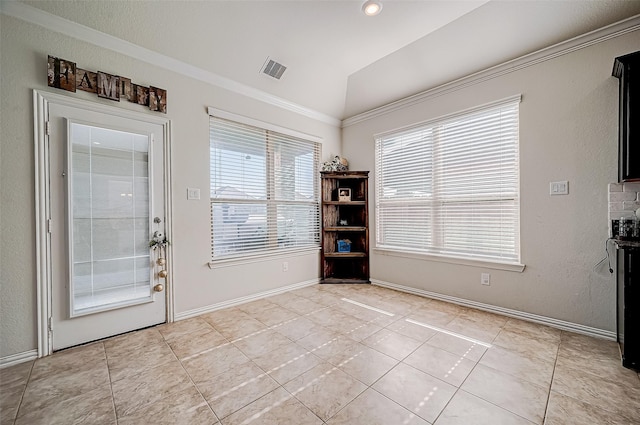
580 42
81 32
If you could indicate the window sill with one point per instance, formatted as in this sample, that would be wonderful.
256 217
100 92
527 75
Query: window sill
486 264
258 258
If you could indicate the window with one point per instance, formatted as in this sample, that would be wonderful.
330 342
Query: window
450 187
264 190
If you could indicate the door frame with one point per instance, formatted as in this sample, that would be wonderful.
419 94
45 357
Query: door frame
41 101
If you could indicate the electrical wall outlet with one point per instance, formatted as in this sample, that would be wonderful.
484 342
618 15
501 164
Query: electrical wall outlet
485 278
193 193
559 188
285 266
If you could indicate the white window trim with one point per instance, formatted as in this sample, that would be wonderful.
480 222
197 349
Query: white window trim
491 264
219 113
263 257
252 258
495 265
506 100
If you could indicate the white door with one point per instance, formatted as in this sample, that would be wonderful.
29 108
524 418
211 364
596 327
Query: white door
107 198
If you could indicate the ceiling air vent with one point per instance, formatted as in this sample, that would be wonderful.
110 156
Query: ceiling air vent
273 69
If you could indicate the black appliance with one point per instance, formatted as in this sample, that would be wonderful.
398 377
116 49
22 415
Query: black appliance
628 303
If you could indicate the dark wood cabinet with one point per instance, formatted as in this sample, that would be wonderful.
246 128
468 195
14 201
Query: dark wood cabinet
627 69
628 305
345 227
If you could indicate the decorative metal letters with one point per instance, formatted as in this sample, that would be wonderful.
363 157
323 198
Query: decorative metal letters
63 74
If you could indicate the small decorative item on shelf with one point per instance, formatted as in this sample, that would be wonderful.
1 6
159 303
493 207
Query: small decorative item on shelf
344 223
344 194
336 164
344 245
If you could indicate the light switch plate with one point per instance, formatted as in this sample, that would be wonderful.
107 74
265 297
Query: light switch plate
559 188
193 193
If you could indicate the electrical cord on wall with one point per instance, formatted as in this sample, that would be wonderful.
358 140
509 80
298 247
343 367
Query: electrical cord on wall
607 258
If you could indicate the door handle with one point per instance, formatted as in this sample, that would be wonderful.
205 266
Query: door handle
159 240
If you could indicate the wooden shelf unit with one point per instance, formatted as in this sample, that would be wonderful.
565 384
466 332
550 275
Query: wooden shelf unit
353 266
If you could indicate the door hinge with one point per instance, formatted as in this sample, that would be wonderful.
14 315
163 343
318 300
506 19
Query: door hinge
49 325
49 225
47 128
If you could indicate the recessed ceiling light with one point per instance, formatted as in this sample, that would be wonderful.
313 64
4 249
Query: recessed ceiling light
371 7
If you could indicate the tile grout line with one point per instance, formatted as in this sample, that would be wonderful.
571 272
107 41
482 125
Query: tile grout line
458 388
266 373
24 391
191 378
400 361
251 360
553 374
593 406
175 357
334 367
113 397
227 342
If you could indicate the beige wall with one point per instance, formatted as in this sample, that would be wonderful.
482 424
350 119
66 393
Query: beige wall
24 49
568 131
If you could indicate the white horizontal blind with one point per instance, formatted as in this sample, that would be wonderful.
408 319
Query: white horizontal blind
451 187
264 190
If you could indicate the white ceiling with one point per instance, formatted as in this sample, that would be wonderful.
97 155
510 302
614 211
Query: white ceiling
340 62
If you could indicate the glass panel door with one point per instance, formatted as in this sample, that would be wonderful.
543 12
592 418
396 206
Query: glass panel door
109 223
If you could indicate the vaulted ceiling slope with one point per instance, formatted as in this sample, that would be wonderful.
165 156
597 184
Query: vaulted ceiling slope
339 62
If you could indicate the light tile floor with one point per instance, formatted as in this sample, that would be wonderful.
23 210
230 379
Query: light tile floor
330 354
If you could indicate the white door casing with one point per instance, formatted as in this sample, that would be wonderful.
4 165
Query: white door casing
60 324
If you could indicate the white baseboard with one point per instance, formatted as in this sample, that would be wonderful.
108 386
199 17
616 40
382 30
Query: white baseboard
15 359
242 300
543 320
